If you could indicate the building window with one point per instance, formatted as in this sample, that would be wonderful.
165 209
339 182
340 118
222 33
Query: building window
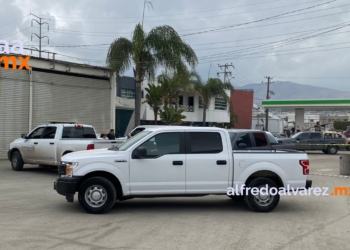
181 100
311 120
200 103
220 104
128 93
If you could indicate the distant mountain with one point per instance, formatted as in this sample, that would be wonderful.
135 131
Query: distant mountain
291 90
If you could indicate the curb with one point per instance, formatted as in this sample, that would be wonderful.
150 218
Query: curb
331 175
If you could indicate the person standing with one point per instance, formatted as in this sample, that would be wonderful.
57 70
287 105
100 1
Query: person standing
111 135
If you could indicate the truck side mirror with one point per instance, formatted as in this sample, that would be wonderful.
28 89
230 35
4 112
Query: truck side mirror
242 146
140 152
24 136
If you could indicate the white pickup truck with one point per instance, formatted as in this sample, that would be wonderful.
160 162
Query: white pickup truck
46 144
179 161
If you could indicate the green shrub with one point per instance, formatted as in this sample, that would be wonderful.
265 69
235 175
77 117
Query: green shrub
341 125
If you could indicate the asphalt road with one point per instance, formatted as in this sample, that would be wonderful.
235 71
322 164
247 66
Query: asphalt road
34 216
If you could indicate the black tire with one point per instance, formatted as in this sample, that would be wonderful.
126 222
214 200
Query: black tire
347 148
325 151
102 186
17 161
272 200
332 150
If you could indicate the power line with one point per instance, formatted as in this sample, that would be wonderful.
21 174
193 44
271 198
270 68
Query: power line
15 33
180 14
259 20
195 18
16 20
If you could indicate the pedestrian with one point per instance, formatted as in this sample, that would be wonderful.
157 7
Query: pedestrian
317 126
103 136
293 130
111 135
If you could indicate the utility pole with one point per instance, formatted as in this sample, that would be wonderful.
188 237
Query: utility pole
39 36
225 72
144 6
268 93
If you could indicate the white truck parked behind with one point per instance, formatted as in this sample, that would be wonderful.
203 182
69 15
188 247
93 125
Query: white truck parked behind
47 143
179 161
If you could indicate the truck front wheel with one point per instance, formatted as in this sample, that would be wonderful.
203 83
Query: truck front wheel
17 161
97 195
262 199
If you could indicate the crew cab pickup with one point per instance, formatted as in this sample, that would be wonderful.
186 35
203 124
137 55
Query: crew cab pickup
46 144
323 141
179 161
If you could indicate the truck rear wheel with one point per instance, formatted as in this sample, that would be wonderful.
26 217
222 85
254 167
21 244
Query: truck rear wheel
265 200
97 195
347 148
17 161
325 151
332 150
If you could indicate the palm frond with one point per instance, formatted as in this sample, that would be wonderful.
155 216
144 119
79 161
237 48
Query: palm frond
119 55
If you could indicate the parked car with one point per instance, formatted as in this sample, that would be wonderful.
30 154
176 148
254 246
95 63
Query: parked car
47 143
316 141
256 139
179 161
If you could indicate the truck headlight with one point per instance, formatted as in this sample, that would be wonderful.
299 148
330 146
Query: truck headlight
70 166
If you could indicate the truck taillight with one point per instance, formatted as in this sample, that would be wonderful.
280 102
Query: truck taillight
305 164
78 125
90 147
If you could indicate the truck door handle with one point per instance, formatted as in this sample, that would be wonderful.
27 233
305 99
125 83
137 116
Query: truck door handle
178 163
113 142
51 143
35 143
221 162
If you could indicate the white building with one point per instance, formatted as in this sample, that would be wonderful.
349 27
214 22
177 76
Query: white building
54 90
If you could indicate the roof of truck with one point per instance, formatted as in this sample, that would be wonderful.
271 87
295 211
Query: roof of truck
164 127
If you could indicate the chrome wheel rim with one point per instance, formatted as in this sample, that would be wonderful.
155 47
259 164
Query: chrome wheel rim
96 196
264 199
332 150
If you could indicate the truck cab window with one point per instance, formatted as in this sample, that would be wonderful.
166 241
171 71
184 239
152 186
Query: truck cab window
36 133
260 139
162 144
49 133
244 138
318 136
205 143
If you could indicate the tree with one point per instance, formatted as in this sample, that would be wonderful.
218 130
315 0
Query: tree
214 87
170 116
154 99
162 46
173 83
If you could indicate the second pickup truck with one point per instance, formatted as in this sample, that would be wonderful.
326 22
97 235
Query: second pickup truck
316 141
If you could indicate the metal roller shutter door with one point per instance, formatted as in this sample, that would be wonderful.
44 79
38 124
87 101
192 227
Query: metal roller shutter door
14 106
71 98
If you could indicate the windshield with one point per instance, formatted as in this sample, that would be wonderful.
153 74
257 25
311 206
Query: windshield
296 135
133 140
271 138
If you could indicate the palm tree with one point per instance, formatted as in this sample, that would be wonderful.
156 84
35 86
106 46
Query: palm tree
214 87
162 46
154 99
173 83
170 116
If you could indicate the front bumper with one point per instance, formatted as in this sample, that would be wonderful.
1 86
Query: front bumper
67 186
308 184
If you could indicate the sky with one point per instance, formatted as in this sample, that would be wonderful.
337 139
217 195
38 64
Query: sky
303 41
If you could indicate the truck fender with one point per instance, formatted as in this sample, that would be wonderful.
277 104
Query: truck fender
108 168
263 166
